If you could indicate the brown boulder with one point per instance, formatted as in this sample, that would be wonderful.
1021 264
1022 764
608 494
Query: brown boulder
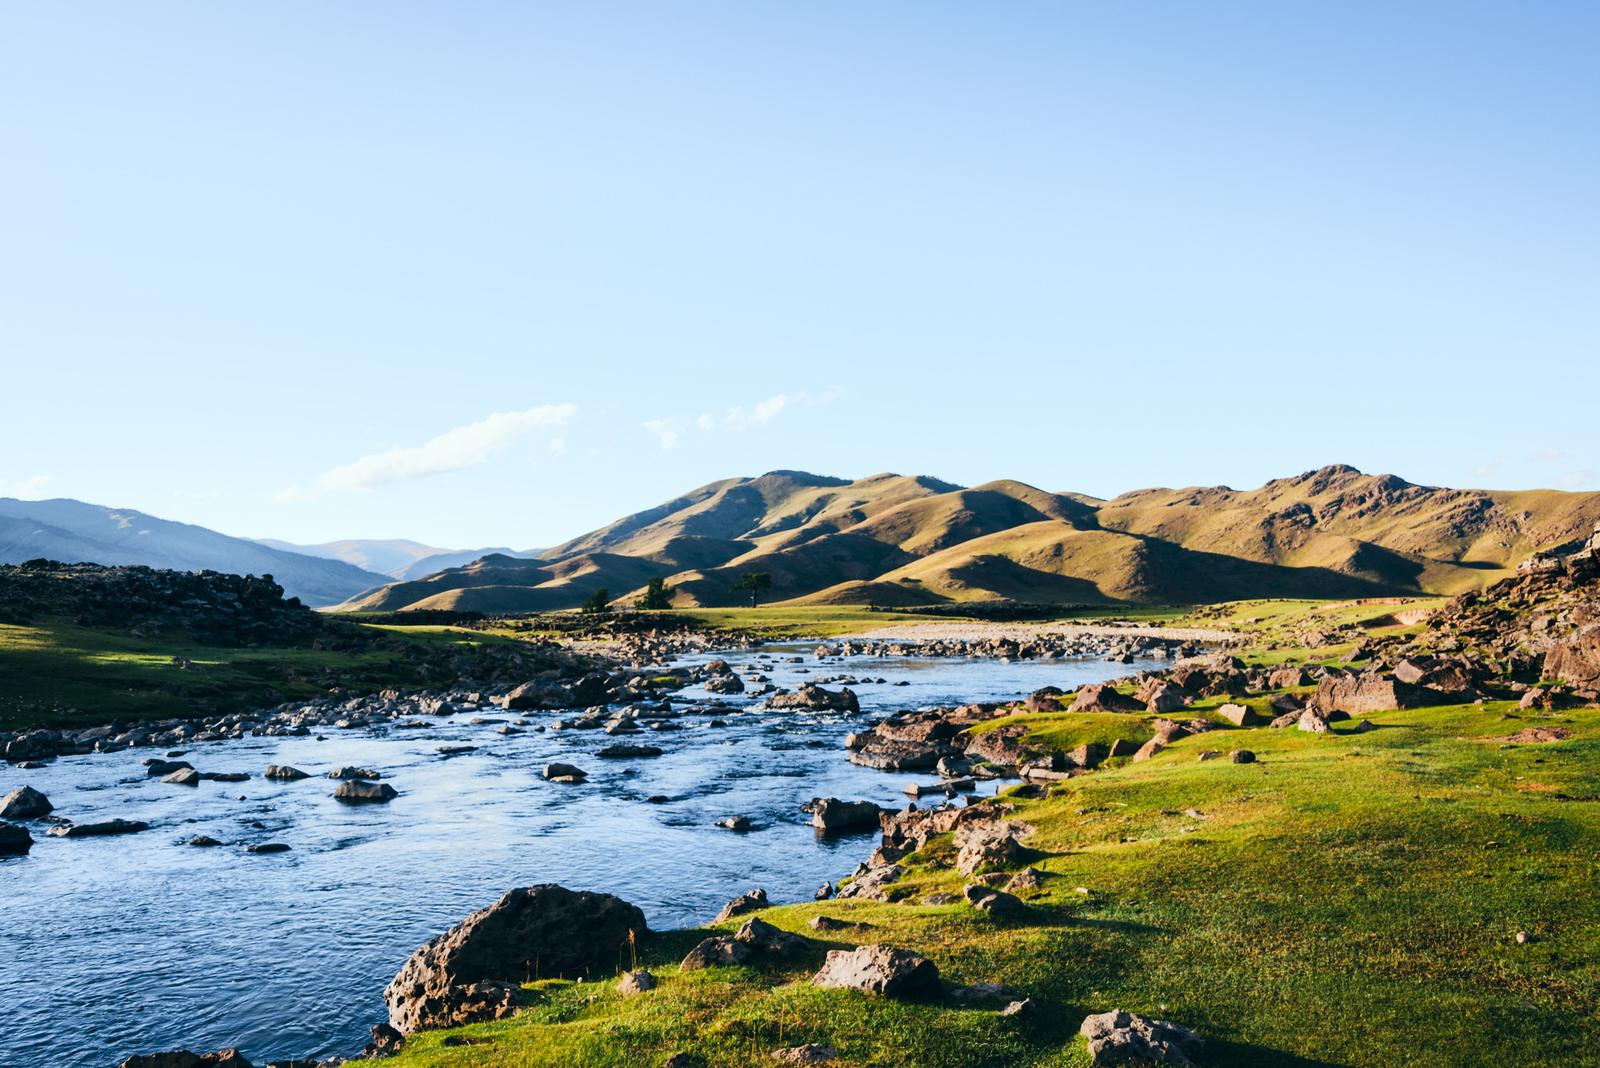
1103 697
532 932
1361 694
1576 658
881 970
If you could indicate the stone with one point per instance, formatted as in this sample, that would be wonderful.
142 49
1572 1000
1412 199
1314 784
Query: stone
735 823
1047 699
223 1058
996 903
267 847
1103 697
832 924
1575 659
1242 756
884 971
1236 714
1285 678
353 773
1028 879
204 841
165 767
533 932
714 952
628 752
1311 723
97 830
361 791
763 937
1025 1009
980 994
635 983
183 777
24 803
810 1053
832 815
1165 697
284 773
989 844
753 901
1371 692
386 1042
815 698
559 772
1119 1037
15 841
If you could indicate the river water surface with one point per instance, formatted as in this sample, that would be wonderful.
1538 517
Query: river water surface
139 943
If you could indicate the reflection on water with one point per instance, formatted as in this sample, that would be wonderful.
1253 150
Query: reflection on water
115 946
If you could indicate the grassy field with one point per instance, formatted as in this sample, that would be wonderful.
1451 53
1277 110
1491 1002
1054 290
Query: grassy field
1346 900
56 673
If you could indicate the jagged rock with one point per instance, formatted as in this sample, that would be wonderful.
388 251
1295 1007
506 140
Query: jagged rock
635 982
716 951
1164 696
543 931
1025 1009
14 840
1103 697
1312 723
988 845
353 773
386 1042
24 803
994 902
882 970
628 752
753 901
888 755
872 885
1027 879
568 773
362 791
1361 694
1575 659
725 684
1238 715
1119 1037
763 937
1047 699
222 1058
1288 677
832 814
284 773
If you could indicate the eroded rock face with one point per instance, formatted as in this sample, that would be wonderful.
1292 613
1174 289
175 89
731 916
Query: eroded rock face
1361 694
881 970
1119 1037
531 932
1576 658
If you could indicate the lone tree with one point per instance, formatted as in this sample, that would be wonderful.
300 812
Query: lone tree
657 595
755 583
599 602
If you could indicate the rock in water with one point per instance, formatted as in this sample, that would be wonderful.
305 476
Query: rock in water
284 773
832 814
882 970
360 790
533 932
14 840
1119 1037
223 1058
353 773
97 830
24 803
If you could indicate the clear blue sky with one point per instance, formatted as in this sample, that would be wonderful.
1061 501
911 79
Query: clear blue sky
484 273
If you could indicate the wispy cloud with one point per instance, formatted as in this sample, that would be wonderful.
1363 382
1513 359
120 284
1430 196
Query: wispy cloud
669 432
454 450
26 488
1579 479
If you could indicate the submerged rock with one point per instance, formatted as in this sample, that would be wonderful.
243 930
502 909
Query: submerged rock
14 840
543 931
284 773
97 830
362 791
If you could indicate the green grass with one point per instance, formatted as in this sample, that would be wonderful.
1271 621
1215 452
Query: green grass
1347 900
55 673
815 621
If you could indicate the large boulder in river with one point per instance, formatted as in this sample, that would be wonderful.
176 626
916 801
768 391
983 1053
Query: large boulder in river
360 791
532 932
24 803
881 970
14 840
832 814
817 699
222 1058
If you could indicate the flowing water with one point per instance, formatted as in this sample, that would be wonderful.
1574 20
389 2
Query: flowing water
139 943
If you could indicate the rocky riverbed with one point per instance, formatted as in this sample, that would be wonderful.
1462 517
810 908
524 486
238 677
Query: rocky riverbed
280 934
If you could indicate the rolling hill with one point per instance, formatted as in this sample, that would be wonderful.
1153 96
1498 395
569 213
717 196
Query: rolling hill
895 540
74 532
398 558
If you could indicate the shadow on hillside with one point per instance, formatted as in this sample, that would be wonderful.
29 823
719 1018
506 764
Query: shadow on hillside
1243 1055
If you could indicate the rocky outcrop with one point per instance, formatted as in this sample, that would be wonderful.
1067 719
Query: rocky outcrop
543 931
1119 1037
1104 697
816 699
224 1058
1370 692
990 845
832 815
881 970
753 901
1575 659
360 791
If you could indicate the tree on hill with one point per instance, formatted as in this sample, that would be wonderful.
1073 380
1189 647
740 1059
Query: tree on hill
598 602
657 595
754 583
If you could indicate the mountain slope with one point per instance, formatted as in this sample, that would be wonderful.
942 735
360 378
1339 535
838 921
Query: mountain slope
897 540
74 532
398 558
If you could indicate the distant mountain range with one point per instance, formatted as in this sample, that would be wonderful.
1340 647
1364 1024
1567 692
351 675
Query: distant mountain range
397 558
75 532
908 541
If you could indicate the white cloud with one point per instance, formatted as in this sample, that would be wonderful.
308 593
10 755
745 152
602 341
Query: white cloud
557 447
666 431
763 412
26 488
454 450
1578 479
706 422
293 495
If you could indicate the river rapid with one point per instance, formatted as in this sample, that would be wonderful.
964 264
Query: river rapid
138 943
